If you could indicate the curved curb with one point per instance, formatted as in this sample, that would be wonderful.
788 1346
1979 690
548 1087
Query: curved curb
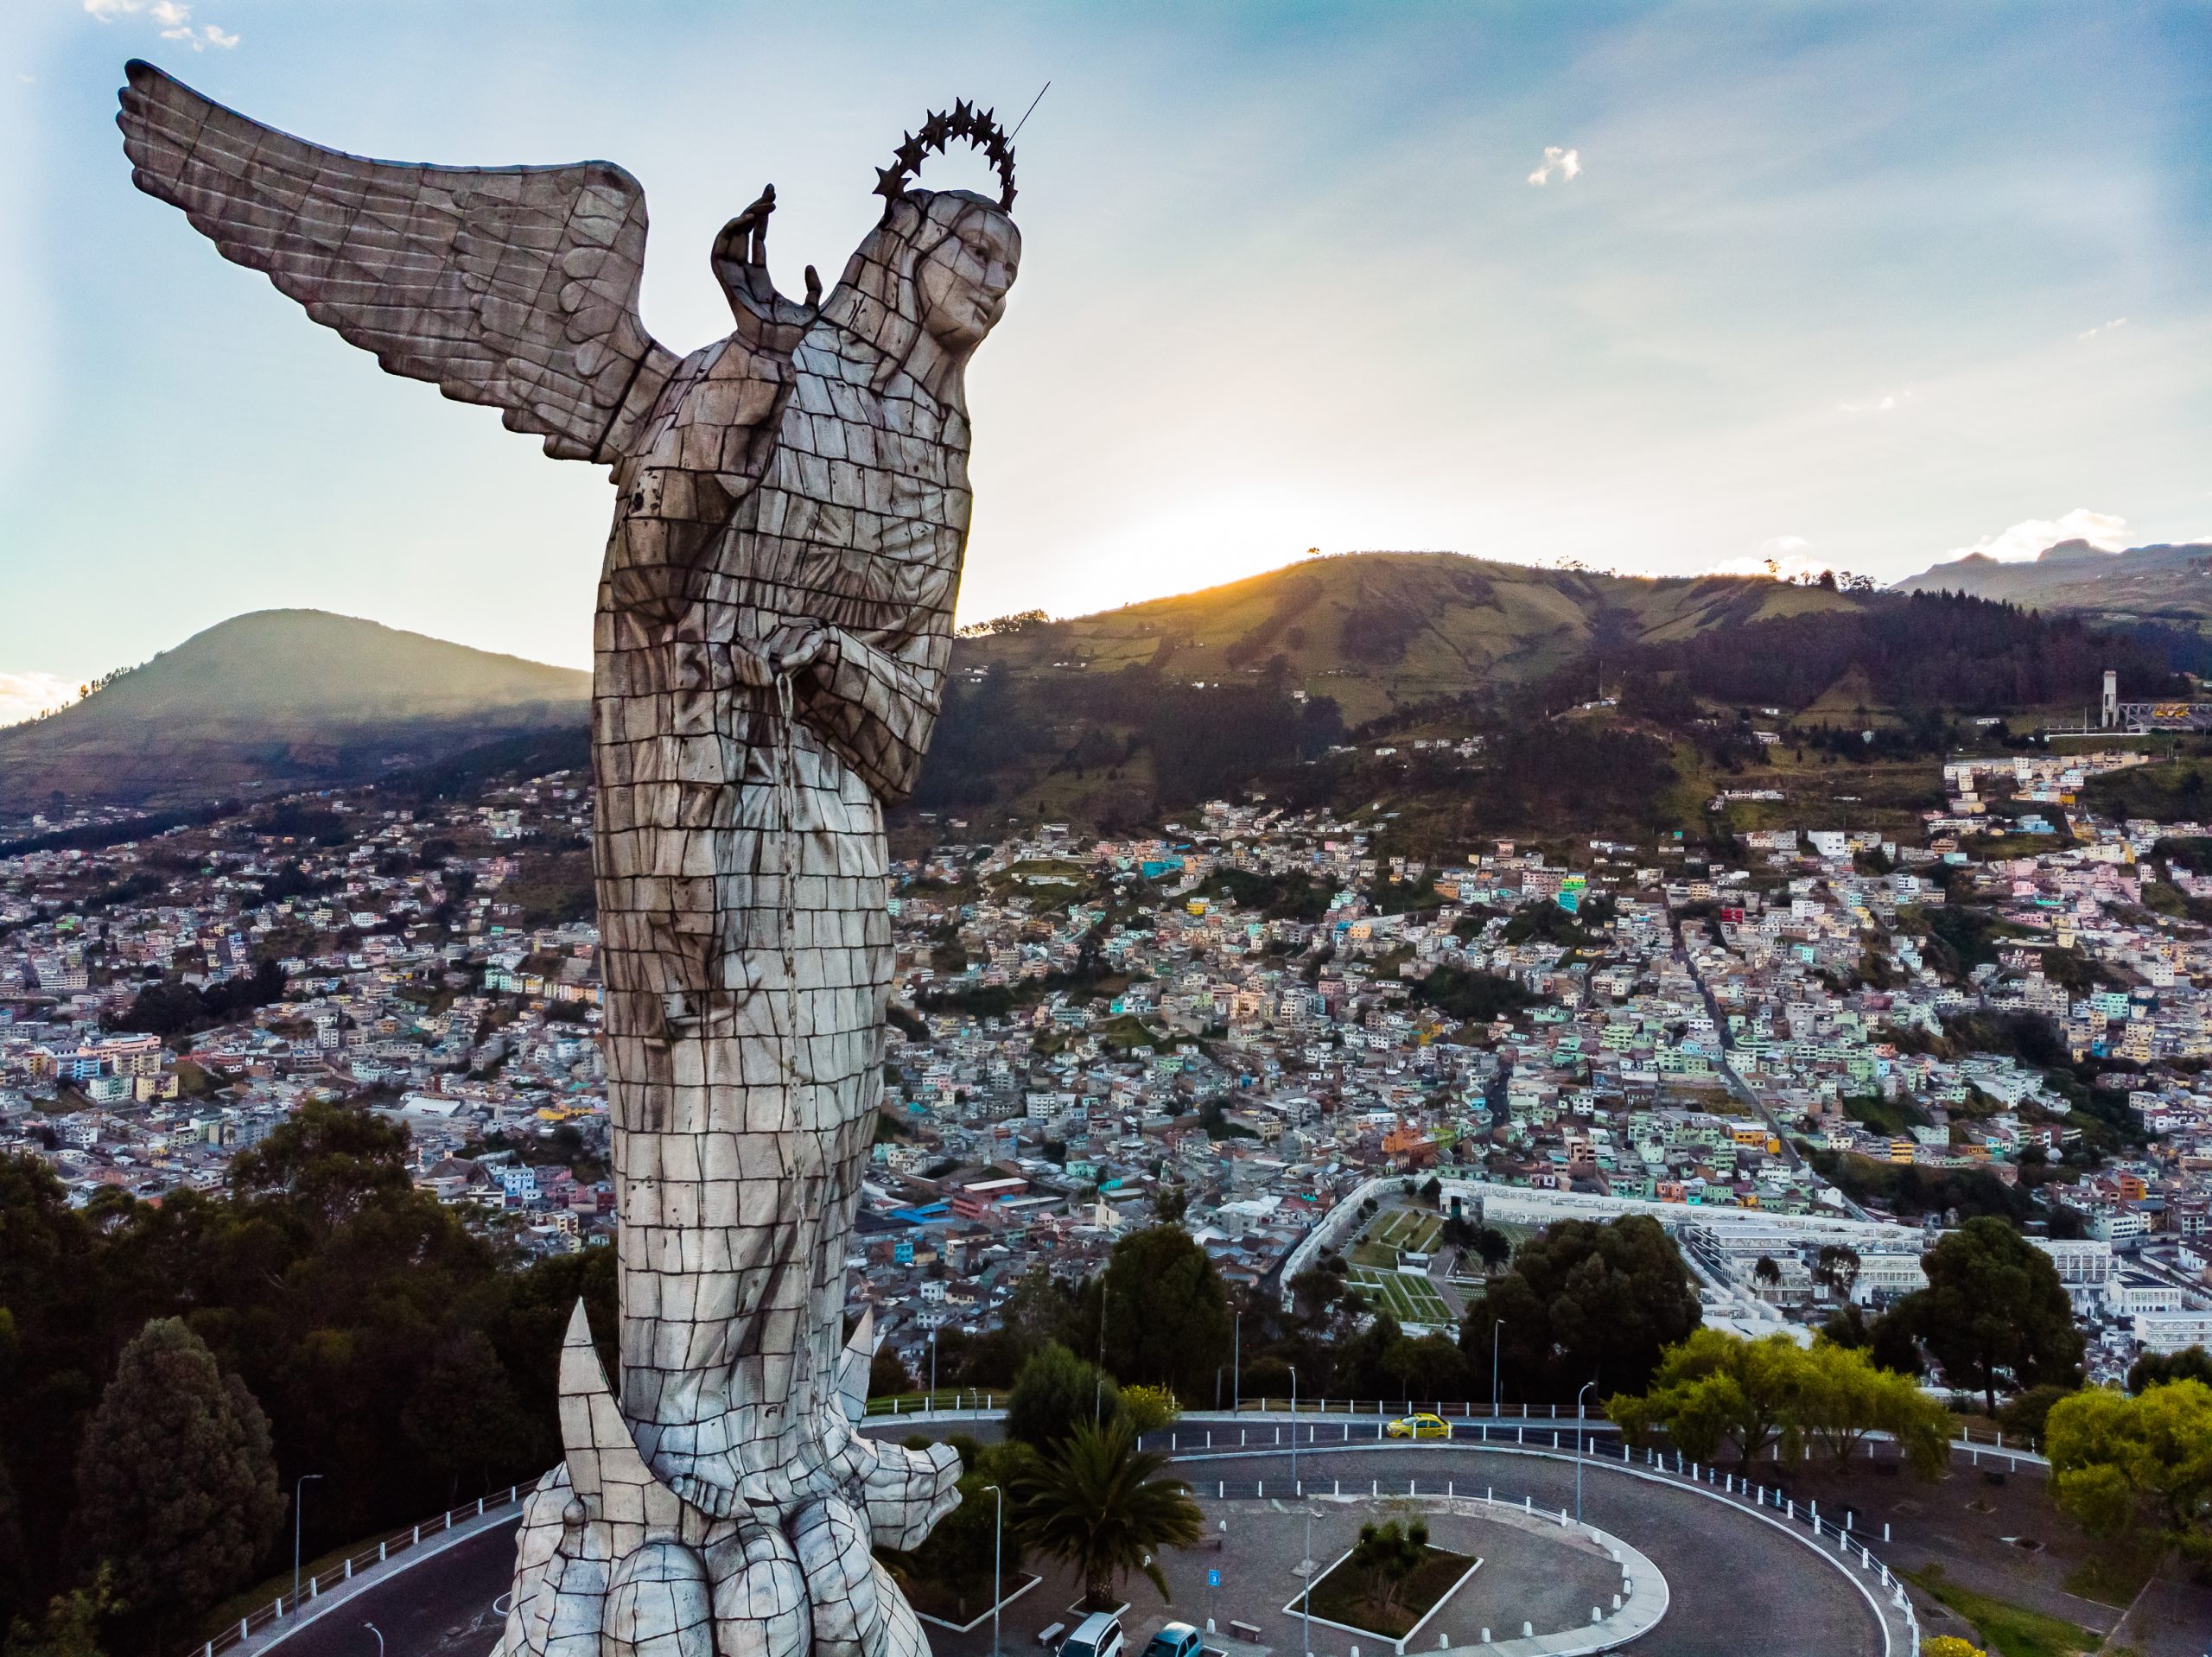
1896 1641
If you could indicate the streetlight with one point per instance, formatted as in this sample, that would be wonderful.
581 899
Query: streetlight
1293 1437
375 1630
1578 1435
932 1404
1237 1366
1496 1325
296 1485
997 1532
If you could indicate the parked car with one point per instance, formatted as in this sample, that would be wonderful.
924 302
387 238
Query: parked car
1096 1635
1423 1426
1175 1640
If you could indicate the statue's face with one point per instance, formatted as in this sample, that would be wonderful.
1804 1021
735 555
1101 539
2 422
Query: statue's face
963 281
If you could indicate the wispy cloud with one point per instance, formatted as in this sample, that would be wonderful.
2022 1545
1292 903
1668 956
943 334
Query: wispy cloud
2117 322
2108 531
174 20
1886 403
26 695
1562 164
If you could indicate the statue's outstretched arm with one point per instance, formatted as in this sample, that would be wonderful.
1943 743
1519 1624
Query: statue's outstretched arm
512 286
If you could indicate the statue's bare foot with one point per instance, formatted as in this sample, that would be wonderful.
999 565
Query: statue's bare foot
904 1492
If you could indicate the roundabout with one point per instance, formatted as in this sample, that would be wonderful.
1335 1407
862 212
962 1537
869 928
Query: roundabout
1703 1571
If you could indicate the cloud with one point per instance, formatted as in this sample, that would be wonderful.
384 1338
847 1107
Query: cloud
1564 163
2102 328
26 695
1887 403
174 21
1784 557
2107 531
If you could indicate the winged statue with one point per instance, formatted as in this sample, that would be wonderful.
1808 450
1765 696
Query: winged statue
770 652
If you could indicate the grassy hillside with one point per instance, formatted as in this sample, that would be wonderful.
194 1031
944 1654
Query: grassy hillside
1377 630
289 697
1333 680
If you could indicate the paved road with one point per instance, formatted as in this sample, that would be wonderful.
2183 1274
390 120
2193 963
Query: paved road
441 1607
1737 1584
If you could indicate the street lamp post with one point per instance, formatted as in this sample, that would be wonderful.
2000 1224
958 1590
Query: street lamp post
1579 1437
296 1486
1293 1435
998 1534
1496 1325
375 1630
1237 1366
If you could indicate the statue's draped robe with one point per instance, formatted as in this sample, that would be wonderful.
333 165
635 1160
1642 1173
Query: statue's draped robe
746 946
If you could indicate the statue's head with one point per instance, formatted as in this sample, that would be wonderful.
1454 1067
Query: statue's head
931 279
961 276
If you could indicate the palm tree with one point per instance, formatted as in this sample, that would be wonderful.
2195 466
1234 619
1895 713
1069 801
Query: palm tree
1095 1504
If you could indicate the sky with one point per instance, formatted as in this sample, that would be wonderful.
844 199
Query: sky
1661 288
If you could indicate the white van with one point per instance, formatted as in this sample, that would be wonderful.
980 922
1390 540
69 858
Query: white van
1097 1636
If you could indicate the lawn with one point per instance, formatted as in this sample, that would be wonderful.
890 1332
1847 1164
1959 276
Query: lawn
1340 1595
1408 1299
2007 1631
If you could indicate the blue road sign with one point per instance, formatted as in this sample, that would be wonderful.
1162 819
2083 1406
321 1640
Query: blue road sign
1213 1578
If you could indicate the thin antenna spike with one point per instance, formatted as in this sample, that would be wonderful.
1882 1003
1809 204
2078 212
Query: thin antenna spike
1030 110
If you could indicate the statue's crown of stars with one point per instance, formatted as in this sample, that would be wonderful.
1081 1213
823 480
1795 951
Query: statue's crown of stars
963 121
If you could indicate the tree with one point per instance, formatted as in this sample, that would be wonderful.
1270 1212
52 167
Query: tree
1835 1269
1167 1314
1432 1368
1385 1558
1495 1248
1844 1396
1098 1505
1994 1313
2118 1463
1148 1409
1040 1308
1170 1205
325 1163
71 1627
1716 1388
1767 1273
1055 1391
2156 1368
177 1477
888 1375
465 1415
1586 1301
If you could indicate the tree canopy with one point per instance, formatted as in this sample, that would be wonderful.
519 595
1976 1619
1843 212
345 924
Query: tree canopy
1166 1315
177 1479
1583 1302
1994 1314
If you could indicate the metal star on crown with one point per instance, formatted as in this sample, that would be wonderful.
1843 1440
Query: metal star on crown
964 122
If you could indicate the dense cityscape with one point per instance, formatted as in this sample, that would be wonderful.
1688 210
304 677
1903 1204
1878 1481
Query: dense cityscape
1249 1014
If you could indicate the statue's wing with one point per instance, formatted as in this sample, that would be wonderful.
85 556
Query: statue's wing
512 285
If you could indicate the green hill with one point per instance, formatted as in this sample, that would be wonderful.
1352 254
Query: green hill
1379 630
283 698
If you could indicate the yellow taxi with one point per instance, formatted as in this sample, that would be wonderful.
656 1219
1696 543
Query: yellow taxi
1423 1426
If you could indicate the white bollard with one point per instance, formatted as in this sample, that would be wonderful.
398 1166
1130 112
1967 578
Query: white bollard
1616 1602
1528 1630
1485 1639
